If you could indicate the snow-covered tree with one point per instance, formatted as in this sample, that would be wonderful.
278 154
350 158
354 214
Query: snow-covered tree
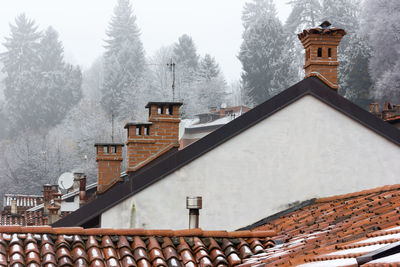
161 74
187 64
355 83
263 51
124 63
40 86
381 24
211 86
208 67
92 80
20 63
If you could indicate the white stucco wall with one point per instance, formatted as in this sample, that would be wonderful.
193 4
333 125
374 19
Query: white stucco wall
306 150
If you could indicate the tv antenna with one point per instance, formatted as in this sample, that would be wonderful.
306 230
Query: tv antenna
171 66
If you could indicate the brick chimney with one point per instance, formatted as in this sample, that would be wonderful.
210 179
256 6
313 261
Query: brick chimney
109 158
148 140
321 52
48 191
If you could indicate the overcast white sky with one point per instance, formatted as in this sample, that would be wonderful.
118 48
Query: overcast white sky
215 25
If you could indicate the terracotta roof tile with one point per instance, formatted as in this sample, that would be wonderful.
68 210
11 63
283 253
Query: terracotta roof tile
331 231
75 246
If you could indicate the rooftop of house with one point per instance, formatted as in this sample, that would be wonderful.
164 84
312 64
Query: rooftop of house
343 230
23 218
26 201
91 188
346 230
39 246
173 160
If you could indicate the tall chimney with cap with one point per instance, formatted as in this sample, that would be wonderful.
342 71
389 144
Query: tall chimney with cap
109 158
194 204
321 45
148 140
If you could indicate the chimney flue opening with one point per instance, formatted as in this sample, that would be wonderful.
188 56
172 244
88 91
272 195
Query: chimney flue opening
194 204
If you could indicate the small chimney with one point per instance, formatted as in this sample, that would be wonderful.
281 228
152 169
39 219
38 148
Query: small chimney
53 214
109 158
55 210
193 204
148 140
321 52
14 210
82 190
48 191
77 176
374 109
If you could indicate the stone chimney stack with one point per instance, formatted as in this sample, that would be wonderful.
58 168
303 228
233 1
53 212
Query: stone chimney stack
321 45
109 158
148 140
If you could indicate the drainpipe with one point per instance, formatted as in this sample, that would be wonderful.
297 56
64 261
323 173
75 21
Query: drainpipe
193 204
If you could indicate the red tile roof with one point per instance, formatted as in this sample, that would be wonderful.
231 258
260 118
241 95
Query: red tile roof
334 231
75 246
23 219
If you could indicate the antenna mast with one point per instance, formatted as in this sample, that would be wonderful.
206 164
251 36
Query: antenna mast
171 66
112 127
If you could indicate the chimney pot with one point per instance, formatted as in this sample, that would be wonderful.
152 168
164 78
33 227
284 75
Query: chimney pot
194 204
109 158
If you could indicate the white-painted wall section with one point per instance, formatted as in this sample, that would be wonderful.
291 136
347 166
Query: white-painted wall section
306 150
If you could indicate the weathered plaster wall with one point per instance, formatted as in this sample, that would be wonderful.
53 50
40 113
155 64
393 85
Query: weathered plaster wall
306 150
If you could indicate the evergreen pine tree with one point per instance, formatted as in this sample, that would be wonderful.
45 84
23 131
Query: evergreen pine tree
305 14
381 20
20 65
211 85
124 62
262 51
208 68
40 87
187 64
356 82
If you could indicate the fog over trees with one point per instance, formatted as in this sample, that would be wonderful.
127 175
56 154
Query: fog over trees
52 112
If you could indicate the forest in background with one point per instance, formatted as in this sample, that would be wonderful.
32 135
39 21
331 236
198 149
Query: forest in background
52 112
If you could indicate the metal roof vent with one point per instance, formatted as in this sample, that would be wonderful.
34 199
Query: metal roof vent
194 204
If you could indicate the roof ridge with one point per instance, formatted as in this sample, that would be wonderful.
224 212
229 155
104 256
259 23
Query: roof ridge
136 231
359 193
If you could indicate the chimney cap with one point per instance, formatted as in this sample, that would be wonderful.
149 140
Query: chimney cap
136 123
109 144
164 104
325 24
194 202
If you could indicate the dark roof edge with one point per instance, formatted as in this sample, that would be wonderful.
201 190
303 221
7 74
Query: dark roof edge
358 114
278 215
203 128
